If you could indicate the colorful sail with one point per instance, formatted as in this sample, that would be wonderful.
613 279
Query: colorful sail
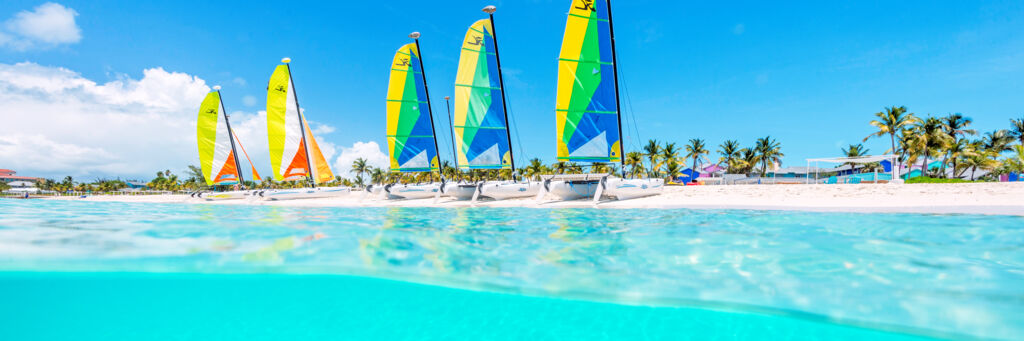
285 125
215 156
409 130
586 105
481 133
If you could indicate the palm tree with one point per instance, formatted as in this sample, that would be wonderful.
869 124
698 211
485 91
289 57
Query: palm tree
194 172
929 135
359 167
769 150
695 150
560 167
378 175
979 160
534 168
730 151
997 141
1017 128
672 169
891 121
956 127
1015 162
669 153
573 168
653 151
854 150
635 162
599 167
749 159
45 184
957 151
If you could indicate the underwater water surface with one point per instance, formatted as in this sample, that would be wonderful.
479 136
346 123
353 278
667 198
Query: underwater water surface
91 270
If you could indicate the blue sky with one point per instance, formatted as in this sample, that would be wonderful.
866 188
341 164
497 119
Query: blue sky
809 74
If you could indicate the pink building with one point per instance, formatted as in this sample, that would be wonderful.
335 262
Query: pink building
8 176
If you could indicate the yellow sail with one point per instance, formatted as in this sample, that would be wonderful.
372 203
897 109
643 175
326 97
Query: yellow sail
289 159
215 156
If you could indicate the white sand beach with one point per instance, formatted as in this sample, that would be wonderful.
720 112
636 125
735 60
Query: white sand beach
969 198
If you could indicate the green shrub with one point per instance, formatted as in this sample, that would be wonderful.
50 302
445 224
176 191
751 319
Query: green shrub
927 180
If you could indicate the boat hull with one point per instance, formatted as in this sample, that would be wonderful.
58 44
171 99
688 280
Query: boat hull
304 193
421 191
460 191
573 189
502 190
623 189
229 195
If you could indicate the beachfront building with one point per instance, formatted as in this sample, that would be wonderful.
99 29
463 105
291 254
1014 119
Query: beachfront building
854 170
135 185
799 172
9 176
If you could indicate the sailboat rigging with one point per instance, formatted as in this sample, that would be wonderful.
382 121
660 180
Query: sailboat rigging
412 141
218 155
294 152
587 111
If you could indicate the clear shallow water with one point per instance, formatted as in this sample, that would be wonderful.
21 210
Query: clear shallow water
547 273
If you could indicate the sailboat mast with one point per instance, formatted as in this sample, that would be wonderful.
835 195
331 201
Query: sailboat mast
615 73
430 109
302 124
451 123
231 136
501 80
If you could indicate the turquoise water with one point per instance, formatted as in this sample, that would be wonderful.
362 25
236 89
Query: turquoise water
90 271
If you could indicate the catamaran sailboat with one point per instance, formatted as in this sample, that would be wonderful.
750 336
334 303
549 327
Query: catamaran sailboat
412 145
482 136
588 121
294 153
218 157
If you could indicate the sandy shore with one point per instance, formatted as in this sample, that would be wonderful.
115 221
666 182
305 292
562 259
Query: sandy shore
977 198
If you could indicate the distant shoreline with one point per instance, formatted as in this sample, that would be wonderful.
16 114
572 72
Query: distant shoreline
969 198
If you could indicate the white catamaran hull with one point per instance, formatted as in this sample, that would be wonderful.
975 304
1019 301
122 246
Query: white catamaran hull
623 189
419 191
211 196
573 189
304 193
501 190
461 191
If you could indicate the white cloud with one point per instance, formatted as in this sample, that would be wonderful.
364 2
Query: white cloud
368 150
38 152
320 129
239 81
47 25
249 100
57 122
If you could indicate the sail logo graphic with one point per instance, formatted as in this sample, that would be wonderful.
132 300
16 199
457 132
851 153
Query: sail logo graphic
403 62
280 88
588 5
211 111
477 41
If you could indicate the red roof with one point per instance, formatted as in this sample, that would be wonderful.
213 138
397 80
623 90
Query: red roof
29 178
6 172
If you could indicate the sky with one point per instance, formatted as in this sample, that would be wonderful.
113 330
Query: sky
105 89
